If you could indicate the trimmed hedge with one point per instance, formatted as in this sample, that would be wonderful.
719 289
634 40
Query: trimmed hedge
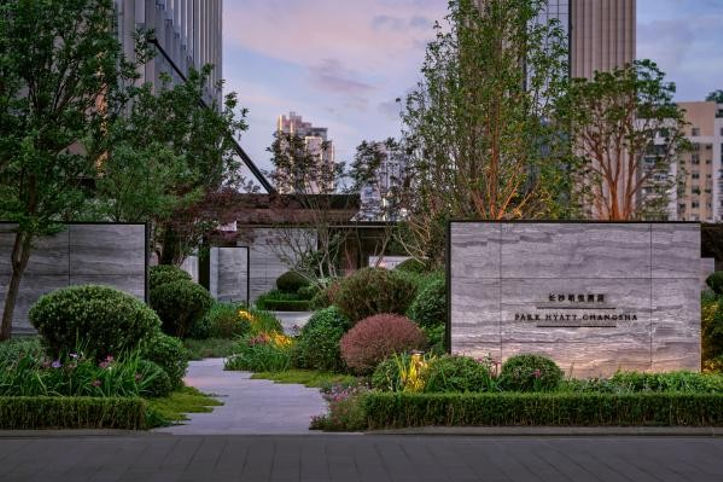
291 282
398 410
715 282
283 305
32 413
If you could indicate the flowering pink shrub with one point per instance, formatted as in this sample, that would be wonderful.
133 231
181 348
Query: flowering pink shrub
377 337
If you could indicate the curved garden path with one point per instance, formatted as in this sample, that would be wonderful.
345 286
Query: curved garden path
250 406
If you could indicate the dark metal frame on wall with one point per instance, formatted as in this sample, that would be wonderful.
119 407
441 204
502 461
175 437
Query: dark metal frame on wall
448 267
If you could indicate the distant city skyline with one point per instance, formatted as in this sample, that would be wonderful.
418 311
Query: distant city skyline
343 64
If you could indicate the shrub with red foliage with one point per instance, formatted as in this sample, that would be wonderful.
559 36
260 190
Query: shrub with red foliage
378 337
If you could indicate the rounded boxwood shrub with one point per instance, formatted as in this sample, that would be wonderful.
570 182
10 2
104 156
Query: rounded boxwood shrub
378 337
429 308
458 374
152 379
317 346
372 291
163 274
168 353
715 282
98 320
326 296
291 282
180 304
530 373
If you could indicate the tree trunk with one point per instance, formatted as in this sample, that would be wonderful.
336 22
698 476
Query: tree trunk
19 261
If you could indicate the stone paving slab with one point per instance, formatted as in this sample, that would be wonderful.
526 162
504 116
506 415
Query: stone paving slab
366 458
250 406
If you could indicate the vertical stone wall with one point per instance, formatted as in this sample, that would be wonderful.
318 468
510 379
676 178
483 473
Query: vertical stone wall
107 254
596 297
228 279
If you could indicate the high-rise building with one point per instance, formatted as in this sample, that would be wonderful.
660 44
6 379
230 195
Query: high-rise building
318 144
378 197
702 197
602 35
189 33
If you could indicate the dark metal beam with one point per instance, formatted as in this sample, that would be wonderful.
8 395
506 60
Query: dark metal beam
248 162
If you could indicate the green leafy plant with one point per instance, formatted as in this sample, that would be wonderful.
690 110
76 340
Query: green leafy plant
265 352
103 320
711 316
261 321
530 373
372 291
459 374
224 321
180 304
291 282
378 337
715 282
164 274
168 353
346 410
317 346
77 375
15 349
413 265
429 308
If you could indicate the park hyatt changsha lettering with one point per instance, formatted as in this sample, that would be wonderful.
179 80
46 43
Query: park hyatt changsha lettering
591 310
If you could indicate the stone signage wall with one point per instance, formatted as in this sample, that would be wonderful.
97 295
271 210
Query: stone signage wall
107 254
595 297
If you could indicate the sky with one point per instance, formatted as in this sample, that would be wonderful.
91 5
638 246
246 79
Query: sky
343 63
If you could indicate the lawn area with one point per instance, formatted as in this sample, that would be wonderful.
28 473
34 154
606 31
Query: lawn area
209 348
310 378
173 408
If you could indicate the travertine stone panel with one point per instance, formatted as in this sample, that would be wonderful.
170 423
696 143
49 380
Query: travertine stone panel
596 297
108 254
107 248
228 273
552 250
676 250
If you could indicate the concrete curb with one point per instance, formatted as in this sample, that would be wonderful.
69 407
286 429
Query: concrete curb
556 431
59 433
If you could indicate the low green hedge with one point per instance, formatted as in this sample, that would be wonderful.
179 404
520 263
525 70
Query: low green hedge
398 410
32 413
284 305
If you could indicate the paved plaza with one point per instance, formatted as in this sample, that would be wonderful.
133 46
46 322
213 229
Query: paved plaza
249 406
374 458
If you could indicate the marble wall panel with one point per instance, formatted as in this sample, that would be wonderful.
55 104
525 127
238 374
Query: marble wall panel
647 272
554 250
109 254
676 250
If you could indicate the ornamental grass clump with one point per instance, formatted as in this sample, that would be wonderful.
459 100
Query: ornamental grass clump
378 337
78 375
373 291
264 352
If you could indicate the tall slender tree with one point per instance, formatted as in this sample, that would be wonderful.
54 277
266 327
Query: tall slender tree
478 123
60 61
626 132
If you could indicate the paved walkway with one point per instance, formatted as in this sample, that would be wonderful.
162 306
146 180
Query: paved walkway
361 458
250 406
